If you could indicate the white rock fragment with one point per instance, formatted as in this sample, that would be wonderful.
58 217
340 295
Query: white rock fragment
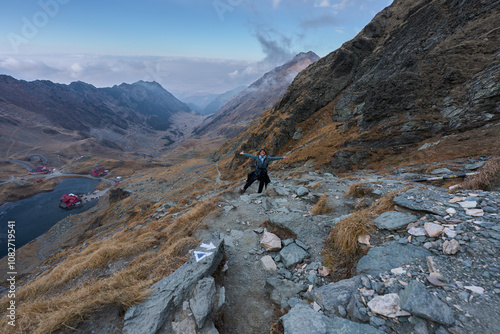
474 212
456 199
451 247
387 305
398 271
268 263
451 211
417 231
364 239
450 233
433 230
270 241
476 289
468 204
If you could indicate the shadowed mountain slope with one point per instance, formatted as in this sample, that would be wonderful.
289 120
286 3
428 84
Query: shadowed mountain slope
128 117
235 116
424 70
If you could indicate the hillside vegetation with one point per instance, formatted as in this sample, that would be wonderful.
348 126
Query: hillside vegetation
417 89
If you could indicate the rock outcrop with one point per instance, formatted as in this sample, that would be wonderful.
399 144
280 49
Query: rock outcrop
182 299
418 70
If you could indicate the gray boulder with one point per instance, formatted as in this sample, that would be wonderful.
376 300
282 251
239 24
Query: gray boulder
170 292
388 256
293 254
394 220
203 300
280 290
418 301
302 319
333 295
423 200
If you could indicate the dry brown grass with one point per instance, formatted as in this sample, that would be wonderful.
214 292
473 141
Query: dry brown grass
321 207
487 178
359 189
342 249
81 283
317 185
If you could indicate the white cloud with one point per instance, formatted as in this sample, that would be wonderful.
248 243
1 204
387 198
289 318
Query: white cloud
276 3
176 74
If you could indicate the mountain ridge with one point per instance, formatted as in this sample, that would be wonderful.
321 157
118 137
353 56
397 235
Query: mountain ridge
234 116
123 118
401 81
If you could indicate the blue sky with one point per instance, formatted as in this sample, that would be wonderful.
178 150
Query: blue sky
188 46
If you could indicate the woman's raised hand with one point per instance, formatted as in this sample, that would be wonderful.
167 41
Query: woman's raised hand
242 153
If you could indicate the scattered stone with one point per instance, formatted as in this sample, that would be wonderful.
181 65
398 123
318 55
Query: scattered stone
387 305
435 281
451 211
302 191
474 212
441 171
468 204
293 254
280 290
398 271
475 289
186 326
417 231
330 296
324 271
270 241
303 319
433 230
450 233
451 247
268 263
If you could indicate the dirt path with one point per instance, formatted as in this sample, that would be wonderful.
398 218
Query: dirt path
249 309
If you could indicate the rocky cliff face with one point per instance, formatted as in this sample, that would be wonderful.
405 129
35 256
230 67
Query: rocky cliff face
235 116
420 69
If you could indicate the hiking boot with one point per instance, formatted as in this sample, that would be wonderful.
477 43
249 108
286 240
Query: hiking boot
242 190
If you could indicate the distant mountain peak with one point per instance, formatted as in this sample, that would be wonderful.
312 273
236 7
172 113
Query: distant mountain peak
233 118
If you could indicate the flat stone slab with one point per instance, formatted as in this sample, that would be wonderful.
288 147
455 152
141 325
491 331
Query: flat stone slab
389 256
417 300
293 254
333 295
432 201
394 220
302 319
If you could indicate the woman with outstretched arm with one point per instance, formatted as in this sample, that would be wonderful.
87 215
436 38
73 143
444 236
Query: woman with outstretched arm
260 172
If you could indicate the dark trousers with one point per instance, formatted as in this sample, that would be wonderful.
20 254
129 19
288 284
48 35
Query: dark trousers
252 180
260 175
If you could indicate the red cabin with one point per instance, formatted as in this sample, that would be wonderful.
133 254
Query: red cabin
98 172
70 201
40 170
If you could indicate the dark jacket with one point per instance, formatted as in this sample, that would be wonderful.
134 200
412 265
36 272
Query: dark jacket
262 164
260 172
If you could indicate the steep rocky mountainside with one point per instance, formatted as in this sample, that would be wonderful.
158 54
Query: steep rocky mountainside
235 116
127 117
420 71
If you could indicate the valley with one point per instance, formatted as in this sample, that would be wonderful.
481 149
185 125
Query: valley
358 246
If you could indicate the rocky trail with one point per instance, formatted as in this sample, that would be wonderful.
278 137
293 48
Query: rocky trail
431 267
